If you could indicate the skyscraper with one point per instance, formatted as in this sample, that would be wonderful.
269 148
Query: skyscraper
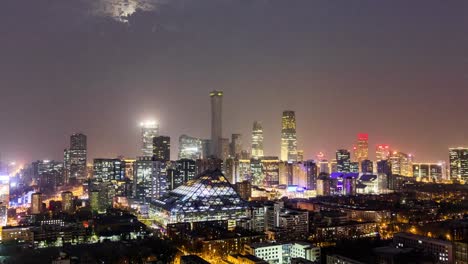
383 167
288 137
225 149
382 152
162 148
367 166
216 123
36 203
236 145
257 140
312 174
149 130
186 168
459 163
401 163
362 149
107 170
150 179
190 148
67 202
77 158
343 160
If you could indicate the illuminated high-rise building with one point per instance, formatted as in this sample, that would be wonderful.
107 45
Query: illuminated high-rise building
257 140
343 160
190 148
431 172
324 166
354 167
4 197
48 174
225 149
401 163
149 130
236 146
107 170
36 203
162 148
459 163
288 137
76 158
300 156
187 169
312 174
150 179
270 170
67 202
256 170
382 152
362 148
216 123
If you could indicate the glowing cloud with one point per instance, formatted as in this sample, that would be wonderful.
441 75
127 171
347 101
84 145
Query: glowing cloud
120 10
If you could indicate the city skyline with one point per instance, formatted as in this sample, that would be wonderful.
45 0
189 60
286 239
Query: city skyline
69 70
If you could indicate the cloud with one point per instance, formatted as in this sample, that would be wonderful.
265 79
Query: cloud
121 10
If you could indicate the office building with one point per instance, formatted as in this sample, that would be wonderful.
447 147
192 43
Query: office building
270 170
208 197
343 161
76 157
174 176
384 167
4 190
382 152
162 148
459 164
354 167
288 137
257 140
300 156
311 174
107 170
94 201
149 130
367 166
430 172
401 163
442 250
48 174
362 148
244 189
67 203
323 185
190 148
216 123
256 172
129 168
284 253
36 203
236 146
150 180
225 149
187 169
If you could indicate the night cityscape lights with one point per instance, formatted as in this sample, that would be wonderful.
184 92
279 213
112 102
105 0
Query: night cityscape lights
242 205
233 132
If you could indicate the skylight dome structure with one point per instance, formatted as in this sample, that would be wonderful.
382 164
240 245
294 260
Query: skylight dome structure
208 197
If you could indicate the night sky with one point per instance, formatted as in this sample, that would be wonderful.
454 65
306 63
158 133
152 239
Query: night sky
396 69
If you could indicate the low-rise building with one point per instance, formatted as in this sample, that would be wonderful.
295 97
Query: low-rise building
441 250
